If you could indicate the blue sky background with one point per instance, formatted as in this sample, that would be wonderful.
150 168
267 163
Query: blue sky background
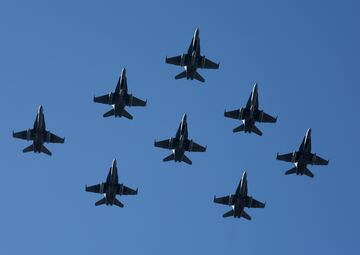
305 57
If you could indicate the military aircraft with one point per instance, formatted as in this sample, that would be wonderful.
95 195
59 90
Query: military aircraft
111 188
179 144
302 158
39 135
250 114
239 201
192 61
119 99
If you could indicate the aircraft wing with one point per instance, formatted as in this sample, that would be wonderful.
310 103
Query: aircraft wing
55 139
176 60
285 157
222 200
192 146
235 114
128 191
166 144
316 160
264 117
102 99
207 63
134 101
256 204
23 135
94 188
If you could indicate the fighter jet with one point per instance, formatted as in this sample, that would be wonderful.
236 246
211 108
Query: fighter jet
192 61
239 201
302 158
111 188
39 135
250 114
119 99
179 144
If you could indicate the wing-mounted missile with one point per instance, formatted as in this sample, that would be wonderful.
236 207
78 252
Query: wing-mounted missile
111 97
250 201
102 188
241 113
190 145
130 98
183 60
28 134
171 143
202 62
294 157
313 159
48 137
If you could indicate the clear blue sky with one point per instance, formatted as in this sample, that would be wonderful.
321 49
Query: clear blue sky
304 56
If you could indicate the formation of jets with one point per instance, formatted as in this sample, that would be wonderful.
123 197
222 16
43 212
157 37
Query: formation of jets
181 143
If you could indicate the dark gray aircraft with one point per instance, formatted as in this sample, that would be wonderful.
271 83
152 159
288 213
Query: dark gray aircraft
192 61
39 135
250 114
239 201
119 99
302 158
111 188
179 144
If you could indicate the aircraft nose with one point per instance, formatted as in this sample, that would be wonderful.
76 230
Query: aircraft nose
40 110
308 132
184 117
197 32
244 175
114 162
255 87
123 72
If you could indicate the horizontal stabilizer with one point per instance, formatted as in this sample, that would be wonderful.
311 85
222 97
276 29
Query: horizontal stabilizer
45 150
109 113
186 160
198 77
256 130
309 173
291 171
126 114
228 214
118 203
245 215
169 158
239 128
29 148
100 202
180 75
